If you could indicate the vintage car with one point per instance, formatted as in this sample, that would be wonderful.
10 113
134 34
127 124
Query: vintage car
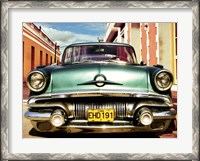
100 88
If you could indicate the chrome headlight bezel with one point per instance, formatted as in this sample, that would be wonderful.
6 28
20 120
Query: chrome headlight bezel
40 78
163 80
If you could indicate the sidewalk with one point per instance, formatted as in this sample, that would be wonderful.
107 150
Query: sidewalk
174 96
26 91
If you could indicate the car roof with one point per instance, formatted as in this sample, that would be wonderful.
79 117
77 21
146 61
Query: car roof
100 43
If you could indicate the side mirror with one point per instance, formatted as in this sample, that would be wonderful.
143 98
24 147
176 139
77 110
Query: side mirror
142 63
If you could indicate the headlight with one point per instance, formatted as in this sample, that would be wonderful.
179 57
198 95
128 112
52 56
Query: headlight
36 81
163 80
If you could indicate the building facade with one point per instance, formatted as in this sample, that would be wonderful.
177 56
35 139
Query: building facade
38 49
154 43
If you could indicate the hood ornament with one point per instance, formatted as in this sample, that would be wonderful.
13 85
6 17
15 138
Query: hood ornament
100 80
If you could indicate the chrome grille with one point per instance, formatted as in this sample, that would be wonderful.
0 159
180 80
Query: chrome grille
80 109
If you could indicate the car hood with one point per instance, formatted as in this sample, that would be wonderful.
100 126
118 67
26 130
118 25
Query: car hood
83 77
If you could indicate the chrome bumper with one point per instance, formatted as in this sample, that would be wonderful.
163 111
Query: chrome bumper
82 126
45 116
113 129
79 124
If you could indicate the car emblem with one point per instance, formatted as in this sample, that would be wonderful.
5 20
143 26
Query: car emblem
100 80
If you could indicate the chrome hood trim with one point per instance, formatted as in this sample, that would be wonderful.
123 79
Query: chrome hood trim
152 95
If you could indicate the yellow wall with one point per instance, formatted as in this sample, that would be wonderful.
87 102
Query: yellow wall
167 47
135 39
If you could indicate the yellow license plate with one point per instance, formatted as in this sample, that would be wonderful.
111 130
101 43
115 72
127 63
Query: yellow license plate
101 115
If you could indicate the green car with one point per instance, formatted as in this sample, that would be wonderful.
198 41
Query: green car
100 88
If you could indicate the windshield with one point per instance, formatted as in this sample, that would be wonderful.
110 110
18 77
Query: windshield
98 53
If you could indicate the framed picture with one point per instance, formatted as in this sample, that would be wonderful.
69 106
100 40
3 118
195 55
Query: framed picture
183 15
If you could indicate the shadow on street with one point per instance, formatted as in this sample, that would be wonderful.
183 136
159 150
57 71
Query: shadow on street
62 134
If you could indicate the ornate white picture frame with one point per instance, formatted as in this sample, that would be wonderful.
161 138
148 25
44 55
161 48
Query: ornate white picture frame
12 10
